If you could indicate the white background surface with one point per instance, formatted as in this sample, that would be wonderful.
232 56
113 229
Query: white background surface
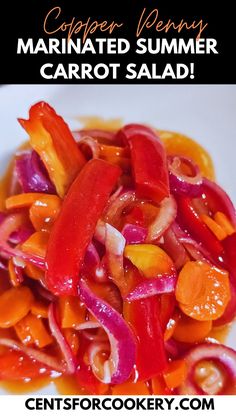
205 113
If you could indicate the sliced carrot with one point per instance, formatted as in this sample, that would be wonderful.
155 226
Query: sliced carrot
151 260
15 303
43 212
24 200
72 311
33 272
159 386
31 329
73 339
39 309
15 280
171 326
176 373
36 245
191 330
202 290
130 388
224 222
216 229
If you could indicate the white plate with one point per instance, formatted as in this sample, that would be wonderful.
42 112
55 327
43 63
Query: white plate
205 113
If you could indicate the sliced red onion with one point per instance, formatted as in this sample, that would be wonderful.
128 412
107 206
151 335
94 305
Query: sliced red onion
88 325
91 256
116 207
174 248
92 264
32 174
92 144
208 351
220 199
99 336
93 351
122 341
171 347
114 243
21 235
115 246
94 133
161 285
100 232
11 224
134 234
61 341
176 349
43 292
3 266
39 356
183 184
164 219
195 249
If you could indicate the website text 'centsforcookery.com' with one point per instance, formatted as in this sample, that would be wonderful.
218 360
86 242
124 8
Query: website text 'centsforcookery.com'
116 403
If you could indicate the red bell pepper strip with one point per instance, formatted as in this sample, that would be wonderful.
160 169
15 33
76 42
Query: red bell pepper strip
149 161
15 365
52 139
190 220
74 228
229 244
143 317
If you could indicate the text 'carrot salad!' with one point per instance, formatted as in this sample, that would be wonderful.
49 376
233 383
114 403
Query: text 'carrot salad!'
117 262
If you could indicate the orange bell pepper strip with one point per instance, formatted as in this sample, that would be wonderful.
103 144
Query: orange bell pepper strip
181 145
15 304
74 227
150 259
52 139
202 291
115 155
31 330
149 162
175 374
